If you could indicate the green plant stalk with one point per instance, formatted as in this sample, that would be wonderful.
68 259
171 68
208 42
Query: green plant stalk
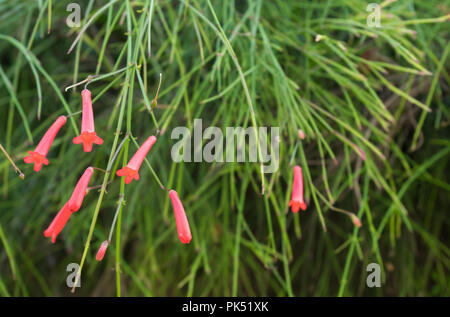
104 183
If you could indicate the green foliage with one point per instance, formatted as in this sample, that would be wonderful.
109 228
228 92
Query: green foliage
355 91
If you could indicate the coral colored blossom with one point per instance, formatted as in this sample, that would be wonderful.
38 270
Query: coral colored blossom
297 201
131 170
70 206
102 250
58 223
356 221
79 192
88 135
184 232
301 134
38 156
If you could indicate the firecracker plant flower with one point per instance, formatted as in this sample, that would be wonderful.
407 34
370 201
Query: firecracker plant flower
356 221
71 206
251 89
131 171
183 229
88 135
297 201
38 156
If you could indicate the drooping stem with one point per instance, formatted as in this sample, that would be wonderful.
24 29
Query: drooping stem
119 205
94 78
16 169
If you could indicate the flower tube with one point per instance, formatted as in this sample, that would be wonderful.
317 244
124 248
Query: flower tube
58 223
184 232
297 201
88 135
38 156
79 192
131 170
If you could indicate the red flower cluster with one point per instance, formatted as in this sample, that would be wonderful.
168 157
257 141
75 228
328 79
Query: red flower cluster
38 157
131 171
88 137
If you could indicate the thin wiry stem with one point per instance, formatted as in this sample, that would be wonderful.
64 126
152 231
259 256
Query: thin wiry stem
16 169
112 157
89 23
94 78
119 206
149 30
224 38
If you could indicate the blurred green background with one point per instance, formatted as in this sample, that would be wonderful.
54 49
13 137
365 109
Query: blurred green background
315 66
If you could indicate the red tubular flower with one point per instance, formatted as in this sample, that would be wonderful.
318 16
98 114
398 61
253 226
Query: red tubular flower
38 156
79 192
102 250
88 135
70 207
184 232
58 223
297 202
131 170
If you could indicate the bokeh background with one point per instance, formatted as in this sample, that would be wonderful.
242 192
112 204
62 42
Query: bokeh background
373 103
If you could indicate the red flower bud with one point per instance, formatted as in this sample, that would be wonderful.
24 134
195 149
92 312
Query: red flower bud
297 201
38 156
79 192
184 232
88 135
356 221
131 170
102 250
301 134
